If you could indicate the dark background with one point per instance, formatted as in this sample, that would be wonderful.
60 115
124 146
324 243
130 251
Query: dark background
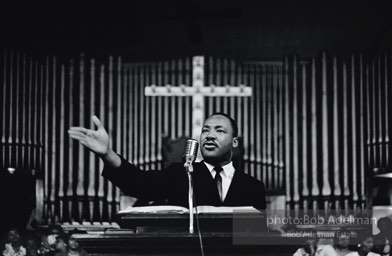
152 30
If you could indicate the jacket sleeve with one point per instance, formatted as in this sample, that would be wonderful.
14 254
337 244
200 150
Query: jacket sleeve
132 181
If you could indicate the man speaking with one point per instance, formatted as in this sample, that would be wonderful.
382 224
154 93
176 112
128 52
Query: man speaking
216 182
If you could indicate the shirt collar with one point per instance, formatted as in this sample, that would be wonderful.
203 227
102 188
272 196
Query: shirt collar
228 169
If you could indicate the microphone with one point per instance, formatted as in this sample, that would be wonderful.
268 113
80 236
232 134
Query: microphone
190 152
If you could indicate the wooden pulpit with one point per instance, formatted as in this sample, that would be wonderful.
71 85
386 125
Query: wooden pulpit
236 233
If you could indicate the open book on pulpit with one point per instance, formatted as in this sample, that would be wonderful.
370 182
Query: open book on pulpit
201 209
170 217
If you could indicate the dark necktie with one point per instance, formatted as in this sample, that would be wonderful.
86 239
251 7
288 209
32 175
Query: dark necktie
218 180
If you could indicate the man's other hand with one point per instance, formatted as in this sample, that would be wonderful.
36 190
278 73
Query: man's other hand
95 140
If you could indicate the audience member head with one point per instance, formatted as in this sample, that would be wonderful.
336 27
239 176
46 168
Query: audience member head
310 245
342 239
72 244
14 241
366 244
32 243
61 242
53 232
14 237
384 224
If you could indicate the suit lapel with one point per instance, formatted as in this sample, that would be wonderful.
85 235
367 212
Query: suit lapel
234 188
205 183
202 170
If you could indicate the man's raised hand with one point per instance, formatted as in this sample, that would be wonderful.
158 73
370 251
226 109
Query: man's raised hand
95 140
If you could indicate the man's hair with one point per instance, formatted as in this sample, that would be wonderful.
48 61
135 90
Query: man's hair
384 221
65 237
232 122
55 229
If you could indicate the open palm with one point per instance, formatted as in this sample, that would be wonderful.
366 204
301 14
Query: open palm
95 140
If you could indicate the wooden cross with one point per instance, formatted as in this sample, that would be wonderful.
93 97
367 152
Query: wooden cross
198 91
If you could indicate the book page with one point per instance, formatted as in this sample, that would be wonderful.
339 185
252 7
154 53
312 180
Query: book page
156 209
226 209
180 209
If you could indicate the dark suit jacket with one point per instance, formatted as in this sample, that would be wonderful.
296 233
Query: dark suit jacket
171 184
379 243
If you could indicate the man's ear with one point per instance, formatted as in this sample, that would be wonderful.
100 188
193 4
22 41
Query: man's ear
235 142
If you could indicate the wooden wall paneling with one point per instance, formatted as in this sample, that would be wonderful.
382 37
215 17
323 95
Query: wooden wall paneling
287 134
380 113
388 107
91 157
258 144
295 135
252 121
246 129
275 128
316 129
160 128
304 117
102 113
62 134
337 190
263 114
387 100
314 137
326 188
188 100
362 141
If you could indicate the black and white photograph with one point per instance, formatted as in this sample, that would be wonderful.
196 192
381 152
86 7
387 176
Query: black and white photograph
185 127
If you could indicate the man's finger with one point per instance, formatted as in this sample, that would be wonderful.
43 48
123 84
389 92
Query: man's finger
77 136
78 129
78 132
96 121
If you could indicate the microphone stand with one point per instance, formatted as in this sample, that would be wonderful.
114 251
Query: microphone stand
189 169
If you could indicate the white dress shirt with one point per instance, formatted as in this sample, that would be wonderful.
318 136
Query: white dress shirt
226 174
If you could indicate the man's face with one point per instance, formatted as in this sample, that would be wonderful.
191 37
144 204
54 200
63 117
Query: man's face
216 140
14 237
367 244
344 241
73 244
